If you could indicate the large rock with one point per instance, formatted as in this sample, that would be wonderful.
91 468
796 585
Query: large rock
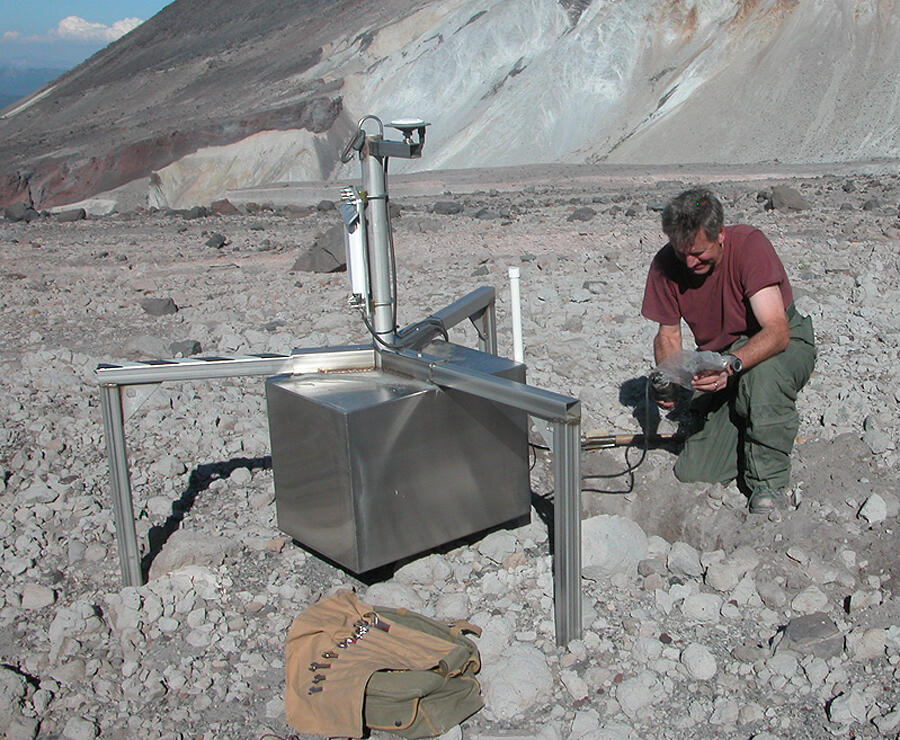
394 595
874 510
428 571
498 545
725 575
223 207
70 214
191 548
611 544
848 708
326 254
811 599
12 692
20 212
515 682
866 644
159 306
784 198
584 213
447 208
634 695
812 634
496 636
699 662
684 560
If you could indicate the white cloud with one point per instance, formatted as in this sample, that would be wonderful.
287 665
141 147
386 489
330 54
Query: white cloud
73 28
10 36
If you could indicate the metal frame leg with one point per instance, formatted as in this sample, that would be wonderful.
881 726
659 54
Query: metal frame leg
567 530
120 483
488 330
564 415
114 377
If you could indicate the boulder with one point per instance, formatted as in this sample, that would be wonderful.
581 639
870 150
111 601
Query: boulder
447 208
516 682
585 213
326 254
195 212
216 240
784 198
159 306
73 214
192 548
811 634
223 207
20 212
185 348
612 544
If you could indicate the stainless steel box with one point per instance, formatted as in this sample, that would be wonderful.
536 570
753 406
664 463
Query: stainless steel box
371 467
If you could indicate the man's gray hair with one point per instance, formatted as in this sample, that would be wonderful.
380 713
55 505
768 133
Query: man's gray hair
689 212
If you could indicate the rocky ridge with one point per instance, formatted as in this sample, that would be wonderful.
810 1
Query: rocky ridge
210 95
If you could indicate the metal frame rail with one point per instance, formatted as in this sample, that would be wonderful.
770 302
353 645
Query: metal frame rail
562 412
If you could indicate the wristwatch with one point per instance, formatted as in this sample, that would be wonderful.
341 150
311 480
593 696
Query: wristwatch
733 363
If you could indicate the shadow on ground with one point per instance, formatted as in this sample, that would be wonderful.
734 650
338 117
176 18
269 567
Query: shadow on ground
200 480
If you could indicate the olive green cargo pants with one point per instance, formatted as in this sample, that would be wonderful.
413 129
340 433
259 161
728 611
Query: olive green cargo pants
748 428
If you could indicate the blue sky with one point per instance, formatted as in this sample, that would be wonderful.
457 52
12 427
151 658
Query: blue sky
62 33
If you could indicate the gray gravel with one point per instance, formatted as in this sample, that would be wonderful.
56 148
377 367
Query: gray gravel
701 622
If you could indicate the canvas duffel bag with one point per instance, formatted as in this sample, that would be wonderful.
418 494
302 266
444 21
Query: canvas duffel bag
350 665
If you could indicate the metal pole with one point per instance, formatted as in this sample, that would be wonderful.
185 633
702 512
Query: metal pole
567 531
210 368
535 401
379 252
123 506
477 306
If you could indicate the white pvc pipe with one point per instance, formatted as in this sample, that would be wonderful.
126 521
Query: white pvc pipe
516 309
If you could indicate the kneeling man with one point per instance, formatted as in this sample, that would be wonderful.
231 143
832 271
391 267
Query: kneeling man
730 287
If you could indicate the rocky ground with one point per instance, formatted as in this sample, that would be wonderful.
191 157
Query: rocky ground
700 621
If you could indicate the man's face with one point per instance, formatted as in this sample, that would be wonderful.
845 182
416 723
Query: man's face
702 255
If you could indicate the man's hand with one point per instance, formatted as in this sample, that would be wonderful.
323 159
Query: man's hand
710 382
663 391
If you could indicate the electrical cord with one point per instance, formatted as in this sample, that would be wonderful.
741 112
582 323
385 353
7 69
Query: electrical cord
407 335
629 467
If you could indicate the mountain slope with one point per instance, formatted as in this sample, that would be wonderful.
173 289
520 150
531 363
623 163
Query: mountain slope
189 97
16 82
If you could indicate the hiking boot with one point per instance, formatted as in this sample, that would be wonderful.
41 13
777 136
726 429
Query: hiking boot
766 500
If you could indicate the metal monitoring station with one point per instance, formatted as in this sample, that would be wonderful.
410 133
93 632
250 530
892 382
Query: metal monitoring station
385 450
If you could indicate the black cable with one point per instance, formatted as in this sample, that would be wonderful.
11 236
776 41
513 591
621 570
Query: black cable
408 334
481 336
629 467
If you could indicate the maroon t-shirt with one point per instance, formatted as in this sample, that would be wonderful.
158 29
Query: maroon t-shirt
715 306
